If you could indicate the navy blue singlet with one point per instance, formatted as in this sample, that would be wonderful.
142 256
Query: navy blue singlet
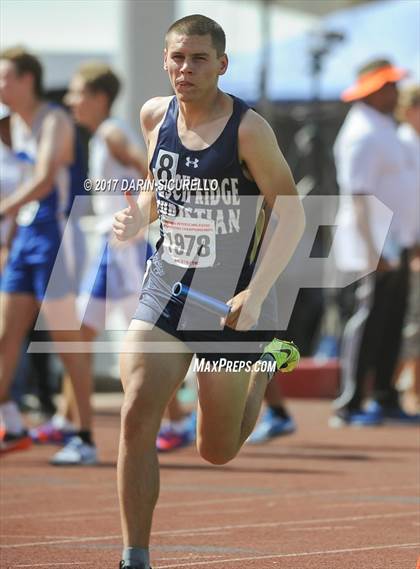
207 212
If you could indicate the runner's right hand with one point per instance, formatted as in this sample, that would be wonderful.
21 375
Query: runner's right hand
127 222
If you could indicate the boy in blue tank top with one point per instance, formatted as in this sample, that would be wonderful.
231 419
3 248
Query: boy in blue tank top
114 156
43 137
212 164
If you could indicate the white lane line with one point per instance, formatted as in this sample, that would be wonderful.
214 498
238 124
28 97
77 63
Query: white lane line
198 531
67 563
61 541
21 536
284 555
227 512
343 505
215 501
321 528
211 529
60 515
188 558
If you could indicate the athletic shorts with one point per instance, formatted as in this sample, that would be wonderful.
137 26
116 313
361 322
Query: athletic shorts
34 266
158 307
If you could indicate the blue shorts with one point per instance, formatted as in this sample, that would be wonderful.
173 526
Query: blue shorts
158 307
34 266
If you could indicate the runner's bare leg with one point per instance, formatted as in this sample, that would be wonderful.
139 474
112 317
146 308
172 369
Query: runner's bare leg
149 381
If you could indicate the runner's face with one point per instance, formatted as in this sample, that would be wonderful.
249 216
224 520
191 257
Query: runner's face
193 65
81 101
12 85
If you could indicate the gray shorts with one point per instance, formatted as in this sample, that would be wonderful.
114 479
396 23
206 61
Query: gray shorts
185 323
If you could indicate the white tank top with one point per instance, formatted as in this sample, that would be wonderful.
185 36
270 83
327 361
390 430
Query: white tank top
10 178
104 166
25 141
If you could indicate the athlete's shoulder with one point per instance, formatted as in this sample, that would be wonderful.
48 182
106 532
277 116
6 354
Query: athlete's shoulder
57 115
153 111
114 136
112 131
122 144
253 128
57 123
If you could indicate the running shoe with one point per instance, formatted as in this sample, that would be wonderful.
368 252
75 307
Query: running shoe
169 439
75 453
11 442
49 433
392 414
285 354
355 418
271 426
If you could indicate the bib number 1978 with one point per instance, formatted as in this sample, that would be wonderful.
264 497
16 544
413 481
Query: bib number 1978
189 243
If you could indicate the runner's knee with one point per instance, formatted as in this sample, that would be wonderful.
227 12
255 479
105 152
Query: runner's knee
139 419
218 454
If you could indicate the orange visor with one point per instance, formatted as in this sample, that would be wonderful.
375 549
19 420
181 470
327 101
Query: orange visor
372 81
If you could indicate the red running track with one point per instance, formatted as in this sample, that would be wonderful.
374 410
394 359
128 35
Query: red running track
320 499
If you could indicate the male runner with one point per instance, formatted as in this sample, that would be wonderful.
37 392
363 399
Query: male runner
43 135
222 152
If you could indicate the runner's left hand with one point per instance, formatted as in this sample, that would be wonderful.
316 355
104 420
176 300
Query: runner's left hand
244 313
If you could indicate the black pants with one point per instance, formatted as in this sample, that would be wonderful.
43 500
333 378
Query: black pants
372 338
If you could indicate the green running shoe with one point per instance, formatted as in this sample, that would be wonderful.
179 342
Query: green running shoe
285 354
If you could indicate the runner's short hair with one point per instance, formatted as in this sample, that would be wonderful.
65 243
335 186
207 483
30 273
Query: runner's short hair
198 25
25 62
99 77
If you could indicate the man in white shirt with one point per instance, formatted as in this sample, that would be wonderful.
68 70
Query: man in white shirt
370 161
409 134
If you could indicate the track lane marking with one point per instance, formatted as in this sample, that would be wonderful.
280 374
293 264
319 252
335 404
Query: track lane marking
55 564
196 503
199 531
203 531
285 555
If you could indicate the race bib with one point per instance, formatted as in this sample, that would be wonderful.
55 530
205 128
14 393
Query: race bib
27 213
189 243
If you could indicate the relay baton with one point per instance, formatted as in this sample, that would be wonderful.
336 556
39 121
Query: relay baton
205 301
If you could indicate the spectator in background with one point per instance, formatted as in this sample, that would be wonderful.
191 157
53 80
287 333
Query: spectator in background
35 371
43 135
408 113
370 161
10 175
115 157
179 428
275 420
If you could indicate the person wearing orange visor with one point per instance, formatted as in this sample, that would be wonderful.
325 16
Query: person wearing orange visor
370 162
